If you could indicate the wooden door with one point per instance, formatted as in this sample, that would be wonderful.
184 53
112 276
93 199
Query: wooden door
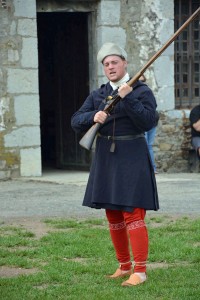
63 84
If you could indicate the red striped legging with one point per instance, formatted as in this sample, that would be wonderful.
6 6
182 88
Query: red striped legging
130 227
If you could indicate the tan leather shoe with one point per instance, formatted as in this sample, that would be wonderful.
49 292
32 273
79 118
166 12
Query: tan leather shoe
133 280
119 274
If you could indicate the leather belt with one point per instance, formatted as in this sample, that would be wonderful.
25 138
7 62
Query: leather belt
121 137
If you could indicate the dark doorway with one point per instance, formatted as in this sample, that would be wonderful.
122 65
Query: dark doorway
63 86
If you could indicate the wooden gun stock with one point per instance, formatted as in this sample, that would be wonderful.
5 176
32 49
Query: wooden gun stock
88 139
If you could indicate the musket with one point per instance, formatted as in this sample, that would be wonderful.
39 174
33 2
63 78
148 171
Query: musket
88 139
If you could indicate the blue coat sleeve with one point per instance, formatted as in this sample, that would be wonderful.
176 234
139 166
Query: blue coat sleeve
140 106
82 120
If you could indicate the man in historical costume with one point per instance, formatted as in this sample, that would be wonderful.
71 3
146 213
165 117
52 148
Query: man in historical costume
122 179
195 128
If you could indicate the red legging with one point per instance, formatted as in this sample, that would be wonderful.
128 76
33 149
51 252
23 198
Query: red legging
121 223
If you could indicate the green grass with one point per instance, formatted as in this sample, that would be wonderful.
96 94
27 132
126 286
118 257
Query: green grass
73 258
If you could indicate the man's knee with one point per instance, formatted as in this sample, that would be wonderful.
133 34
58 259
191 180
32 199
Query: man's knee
137 215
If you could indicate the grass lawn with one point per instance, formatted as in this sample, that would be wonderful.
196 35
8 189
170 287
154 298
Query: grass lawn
71 260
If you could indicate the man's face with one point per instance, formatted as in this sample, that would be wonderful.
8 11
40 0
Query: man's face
114 67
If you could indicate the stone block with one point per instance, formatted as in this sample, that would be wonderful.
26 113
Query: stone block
104 35
168 128
186 113
13 28
27 110
4 175
165 98
2 164
13 55
165 31
30 162
174 114
4 107
23 137
165 147
108 13
26 9
165 8
166 77
27 27
29 53
22 81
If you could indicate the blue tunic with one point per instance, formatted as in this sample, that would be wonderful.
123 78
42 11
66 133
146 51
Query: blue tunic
123 179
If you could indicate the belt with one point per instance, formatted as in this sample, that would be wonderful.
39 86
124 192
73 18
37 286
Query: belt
121 137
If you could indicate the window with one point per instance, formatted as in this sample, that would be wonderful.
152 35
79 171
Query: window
187 55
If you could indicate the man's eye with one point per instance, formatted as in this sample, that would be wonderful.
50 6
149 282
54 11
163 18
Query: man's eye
112 63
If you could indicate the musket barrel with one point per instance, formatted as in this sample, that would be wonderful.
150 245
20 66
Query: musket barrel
88 138
162 49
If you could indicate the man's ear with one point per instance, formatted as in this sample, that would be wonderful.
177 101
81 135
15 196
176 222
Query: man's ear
125 63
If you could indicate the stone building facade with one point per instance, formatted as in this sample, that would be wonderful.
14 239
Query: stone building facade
141 27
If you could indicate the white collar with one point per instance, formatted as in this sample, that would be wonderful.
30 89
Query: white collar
117 84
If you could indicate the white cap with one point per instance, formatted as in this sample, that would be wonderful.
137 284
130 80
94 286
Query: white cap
110 49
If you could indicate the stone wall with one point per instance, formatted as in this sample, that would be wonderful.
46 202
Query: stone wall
19 99
173 141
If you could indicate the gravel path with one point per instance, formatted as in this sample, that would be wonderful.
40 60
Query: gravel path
60 195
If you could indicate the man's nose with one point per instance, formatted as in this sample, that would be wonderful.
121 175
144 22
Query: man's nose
111 66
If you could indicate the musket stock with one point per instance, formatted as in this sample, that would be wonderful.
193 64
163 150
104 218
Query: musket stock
87 140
